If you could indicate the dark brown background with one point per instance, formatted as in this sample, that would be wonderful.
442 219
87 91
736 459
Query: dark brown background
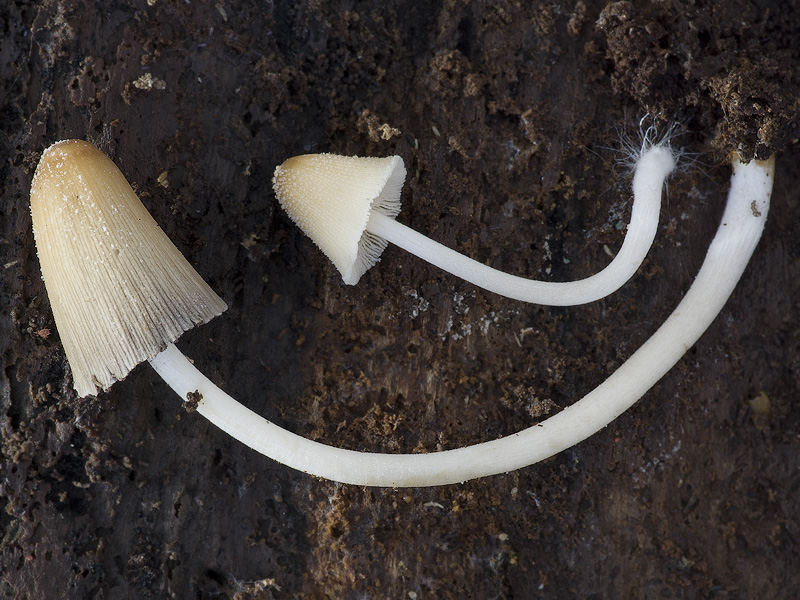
510 114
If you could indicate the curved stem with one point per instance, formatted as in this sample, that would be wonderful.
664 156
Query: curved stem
652 168
728 254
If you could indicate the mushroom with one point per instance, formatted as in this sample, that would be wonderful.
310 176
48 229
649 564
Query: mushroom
76 197
119 289
347 205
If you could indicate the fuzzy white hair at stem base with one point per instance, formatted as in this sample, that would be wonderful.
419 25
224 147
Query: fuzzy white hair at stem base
727 256
347 205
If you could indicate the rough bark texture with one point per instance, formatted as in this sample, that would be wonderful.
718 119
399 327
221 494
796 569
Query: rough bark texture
508 115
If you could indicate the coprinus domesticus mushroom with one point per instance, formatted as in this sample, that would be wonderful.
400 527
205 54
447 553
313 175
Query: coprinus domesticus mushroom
347 205
121 294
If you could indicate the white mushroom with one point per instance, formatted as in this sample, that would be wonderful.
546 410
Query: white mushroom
119 288
347 205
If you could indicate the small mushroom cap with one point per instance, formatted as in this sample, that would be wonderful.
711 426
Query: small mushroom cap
330 197
119 289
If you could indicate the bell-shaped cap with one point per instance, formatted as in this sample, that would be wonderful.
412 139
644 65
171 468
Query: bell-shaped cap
330 198
119 289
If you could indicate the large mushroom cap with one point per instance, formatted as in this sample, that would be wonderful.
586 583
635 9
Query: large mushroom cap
330 197
119 289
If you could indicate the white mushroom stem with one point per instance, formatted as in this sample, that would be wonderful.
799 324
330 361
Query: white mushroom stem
653 167
727 257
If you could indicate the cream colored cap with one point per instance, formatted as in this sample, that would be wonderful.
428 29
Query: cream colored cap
119 289
330 198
